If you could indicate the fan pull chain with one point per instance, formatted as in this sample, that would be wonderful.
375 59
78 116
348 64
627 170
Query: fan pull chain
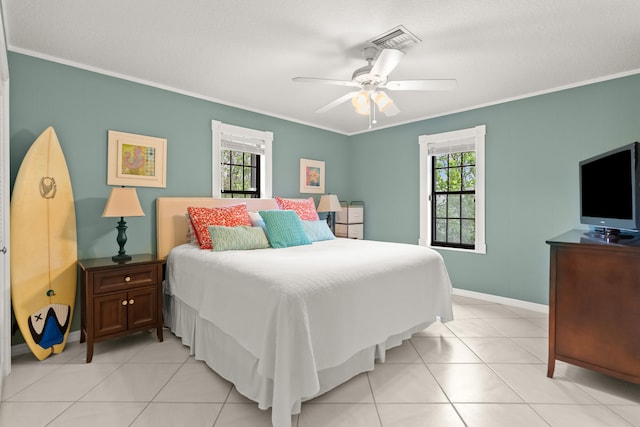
372 107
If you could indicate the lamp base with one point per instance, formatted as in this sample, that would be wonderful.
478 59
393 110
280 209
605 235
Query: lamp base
121 239
121 258
330 222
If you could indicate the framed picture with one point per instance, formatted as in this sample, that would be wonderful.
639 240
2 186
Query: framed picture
311 176
136 160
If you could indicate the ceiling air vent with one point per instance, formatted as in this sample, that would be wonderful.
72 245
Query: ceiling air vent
396 38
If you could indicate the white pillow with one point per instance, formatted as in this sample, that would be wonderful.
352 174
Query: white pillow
256 219
191 236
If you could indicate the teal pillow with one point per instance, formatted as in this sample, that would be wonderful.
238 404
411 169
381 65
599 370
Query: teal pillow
284 228
318 230
237 238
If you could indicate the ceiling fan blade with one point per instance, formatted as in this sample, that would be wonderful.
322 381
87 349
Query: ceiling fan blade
392 110
324 81
386 62
336 102
428 84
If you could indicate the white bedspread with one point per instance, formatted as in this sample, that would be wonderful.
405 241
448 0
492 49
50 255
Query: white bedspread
307 308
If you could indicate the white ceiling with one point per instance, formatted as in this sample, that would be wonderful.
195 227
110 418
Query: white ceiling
244 53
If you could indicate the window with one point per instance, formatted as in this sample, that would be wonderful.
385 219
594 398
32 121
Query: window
452 190
241 164
240 174
453 200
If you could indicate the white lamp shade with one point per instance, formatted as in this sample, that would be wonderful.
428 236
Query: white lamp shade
329 203
123 202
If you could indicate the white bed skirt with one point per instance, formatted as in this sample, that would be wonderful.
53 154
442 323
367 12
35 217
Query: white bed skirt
225 356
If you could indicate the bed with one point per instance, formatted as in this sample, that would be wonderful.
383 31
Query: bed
286 325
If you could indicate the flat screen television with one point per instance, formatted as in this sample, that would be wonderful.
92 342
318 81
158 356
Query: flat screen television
609 190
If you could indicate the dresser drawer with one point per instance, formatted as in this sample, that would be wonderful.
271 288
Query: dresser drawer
124 278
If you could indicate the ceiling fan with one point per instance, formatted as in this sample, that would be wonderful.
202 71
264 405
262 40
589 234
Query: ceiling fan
372 78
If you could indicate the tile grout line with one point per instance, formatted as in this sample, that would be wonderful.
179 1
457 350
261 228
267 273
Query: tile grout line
8 398
438 382
159 390
373 396
524 401
484 362
74 403
488 365
226 400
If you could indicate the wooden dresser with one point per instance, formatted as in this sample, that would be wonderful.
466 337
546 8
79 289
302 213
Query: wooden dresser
594 304
119 298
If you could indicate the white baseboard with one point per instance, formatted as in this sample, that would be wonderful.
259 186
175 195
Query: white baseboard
541 308
18 349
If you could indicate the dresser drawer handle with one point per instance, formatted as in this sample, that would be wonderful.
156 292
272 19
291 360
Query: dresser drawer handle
124 302
127 278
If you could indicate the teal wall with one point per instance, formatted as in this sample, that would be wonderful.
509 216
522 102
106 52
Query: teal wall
82 106
532 150
533 147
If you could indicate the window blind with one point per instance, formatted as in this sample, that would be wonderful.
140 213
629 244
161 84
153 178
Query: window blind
451 146
241 143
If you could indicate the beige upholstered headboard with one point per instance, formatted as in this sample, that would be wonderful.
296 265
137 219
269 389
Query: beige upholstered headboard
171 225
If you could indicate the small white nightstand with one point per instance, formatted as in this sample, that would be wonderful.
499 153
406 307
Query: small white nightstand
350 220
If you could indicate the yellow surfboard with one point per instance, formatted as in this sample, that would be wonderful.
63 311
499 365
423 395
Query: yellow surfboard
44 248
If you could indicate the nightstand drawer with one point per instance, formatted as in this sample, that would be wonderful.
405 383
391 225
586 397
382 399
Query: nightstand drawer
350 215
124 278
352 231
356 214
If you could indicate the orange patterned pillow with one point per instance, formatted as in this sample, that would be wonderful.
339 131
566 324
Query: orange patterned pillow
305 208
227 216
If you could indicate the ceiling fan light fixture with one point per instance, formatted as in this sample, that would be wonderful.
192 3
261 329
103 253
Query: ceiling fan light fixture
383 101
363 110
360 102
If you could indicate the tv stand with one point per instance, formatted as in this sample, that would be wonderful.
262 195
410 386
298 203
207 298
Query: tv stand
594 305
608 231
612 235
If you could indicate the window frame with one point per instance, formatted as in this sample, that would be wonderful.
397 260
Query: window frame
237 138
471 139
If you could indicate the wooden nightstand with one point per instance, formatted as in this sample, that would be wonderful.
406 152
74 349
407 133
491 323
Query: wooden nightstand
119 298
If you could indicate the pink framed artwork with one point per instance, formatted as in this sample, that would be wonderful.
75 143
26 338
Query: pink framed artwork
311 176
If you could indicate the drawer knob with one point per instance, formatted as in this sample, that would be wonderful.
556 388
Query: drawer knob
131 301
127 278
124 302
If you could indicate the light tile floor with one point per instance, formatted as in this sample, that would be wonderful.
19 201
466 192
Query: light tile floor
486 368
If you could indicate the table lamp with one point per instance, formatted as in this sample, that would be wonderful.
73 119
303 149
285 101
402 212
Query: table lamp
122 202
329 203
